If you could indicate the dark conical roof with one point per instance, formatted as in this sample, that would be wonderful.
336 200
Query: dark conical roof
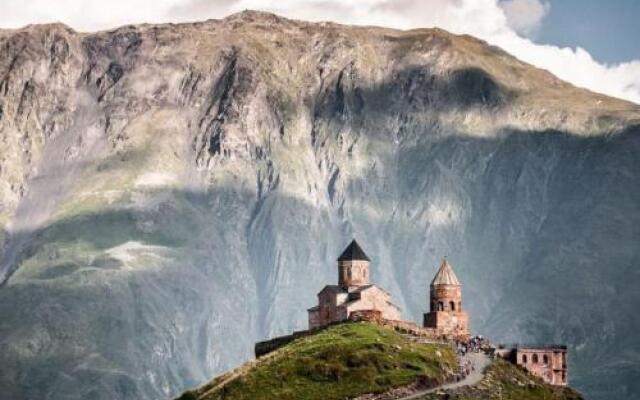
353 252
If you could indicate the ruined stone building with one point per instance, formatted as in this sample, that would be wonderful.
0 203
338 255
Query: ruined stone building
548 362
446 315
353 293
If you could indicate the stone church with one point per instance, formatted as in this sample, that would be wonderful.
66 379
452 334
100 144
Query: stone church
355 296
353 293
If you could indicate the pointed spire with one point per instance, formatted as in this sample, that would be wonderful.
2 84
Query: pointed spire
353 252
445 275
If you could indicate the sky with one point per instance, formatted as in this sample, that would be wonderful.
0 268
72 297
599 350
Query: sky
591 43
608 29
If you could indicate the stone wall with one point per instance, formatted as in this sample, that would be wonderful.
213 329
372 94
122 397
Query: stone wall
366 315
353 273
314 318
374 298
268 346
329 310
452 323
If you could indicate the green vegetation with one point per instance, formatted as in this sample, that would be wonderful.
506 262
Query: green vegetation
506 381
340 362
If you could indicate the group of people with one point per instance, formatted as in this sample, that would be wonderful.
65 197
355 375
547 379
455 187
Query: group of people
466 366
475 345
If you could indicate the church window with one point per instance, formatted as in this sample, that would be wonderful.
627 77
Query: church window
545 359
534 359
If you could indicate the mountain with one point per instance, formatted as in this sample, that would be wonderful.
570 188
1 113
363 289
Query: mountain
362 360
170 194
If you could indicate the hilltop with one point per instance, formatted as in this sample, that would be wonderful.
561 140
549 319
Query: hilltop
363 359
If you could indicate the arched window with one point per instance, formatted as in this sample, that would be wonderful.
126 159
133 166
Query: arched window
524 358
452 305
534 359
440 306
545 359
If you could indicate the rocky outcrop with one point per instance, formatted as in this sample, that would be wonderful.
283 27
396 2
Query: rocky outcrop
170 194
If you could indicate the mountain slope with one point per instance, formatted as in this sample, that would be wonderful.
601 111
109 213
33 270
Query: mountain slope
169 194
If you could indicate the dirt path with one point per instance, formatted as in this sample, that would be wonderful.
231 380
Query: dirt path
479 361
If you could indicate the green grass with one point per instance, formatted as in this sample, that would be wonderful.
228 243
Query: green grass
340 362
506 381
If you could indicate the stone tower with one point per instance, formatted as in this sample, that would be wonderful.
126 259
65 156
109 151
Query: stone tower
353 266
445 304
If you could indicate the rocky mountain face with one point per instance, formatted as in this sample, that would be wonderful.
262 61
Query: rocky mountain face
169 194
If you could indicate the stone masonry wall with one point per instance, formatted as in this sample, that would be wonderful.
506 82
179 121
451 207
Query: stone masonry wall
548 364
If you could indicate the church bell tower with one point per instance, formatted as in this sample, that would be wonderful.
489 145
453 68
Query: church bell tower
445 304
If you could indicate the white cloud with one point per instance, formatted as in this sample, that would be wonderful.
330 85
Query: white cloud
501 24
525 16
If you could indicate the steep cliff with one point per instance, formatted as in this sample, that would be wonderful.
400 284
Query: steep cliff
170 194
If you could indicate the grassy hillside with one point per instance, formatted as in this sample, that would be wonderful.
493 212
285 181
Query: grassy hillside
506 381
348 360
340 362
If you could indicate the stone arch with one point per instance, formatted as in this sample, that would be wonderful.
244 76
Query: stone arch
452 305
524 358
440 306
534 359
545 359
